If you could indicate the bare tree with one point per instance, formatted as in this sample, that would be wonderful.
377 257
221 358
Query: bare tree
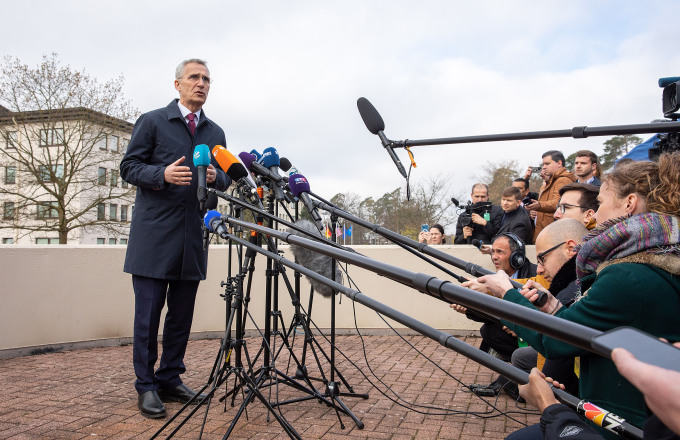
499 175
62 140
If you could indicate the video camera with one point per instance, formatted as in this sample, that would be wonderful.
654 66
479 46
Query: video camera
668 142
478 208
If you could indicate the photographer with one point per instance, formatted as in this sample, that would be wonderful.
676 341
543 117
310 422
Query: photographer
483 220
433 235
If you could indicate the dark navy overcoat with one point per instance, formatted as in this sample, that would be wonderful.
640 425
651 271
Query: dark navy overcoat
165 233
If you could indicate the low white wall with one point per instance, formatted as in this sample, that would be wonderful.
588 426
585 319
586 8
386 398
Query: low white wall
54 295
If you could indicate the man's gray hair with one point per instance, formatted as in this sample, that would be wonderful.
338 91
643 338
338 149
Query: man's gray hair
179 72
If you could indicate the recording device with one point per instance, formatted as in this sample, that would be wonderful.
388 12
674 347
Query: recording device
477 243
314 261
376 125
201 162
643 346
536 170
526 200
471 208
668 142
424 228
233 167
249 162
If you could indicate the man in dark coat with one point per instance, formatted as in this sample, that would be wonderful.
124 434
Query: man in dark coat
484 223
515 218
165 253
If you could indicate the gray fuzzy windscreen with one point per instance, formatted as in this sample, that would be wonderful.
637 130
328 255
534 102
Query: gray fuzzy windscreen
315 261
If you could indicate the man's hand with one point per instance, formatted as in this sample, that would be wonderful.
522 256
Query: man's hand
467 231
530 292
485 249
538 391
478 219
177 174
527 173
458 308
496 284
476 285
533 206
211 174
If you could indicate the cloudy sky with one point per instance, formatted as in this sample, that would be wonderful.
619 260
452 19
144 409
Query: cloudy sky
287 74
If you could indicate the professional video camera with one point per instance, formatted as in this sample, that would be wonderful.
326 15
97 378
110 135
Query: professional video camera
668 142
481 208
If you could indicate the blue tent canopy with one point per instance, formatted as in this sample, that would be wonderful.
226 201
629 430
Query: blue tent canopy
641 152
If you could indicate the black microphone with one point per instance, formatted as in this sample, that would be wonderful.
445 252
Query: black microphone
299 186
201 162
478 243
376 125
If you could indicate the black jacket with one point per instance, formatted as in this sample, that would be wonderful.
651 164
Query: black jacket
165 233
519 223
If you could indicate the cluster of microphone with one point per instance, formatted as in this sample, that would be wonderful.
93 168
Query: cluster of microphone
264 166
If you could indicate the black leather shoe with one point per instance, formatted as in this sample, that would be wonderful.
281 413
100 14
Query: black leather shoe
181 394
150 405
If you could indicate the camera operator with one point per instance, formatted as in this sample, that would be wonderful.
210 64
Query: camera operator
483 220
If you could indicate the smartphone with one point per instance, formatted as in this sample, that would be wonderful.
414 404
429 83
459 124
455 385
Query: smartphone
645 347
536 170
424 228
527 200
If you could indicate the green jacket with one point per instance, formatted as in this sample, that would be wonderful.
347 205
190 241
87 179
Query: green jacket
624 293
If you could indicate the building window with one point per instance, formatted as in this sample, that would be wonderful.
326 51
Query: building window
123 183
101 176
123 241
9 241
46 241
12 139
101 211
45 173
126 143
48 210
123 213
114 178
10 175
112 142
52 136
8 211
102 143
112 241
113 211
101 241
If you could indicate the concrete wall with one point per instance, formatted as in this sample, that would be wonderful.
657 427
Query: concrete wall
69 295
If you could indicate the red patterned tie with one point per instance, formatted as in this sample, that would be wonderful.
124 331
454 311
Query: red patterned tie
192 124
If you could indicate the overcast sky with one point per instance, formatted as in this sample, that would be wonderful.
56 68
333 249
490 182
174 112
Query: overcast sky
287 74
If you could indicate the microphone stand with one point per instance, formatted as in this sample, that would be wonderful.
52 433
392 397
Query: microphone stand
579 132
609 421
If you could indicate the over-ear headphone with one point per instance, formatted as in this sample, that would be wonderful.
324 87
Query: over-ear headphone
518 257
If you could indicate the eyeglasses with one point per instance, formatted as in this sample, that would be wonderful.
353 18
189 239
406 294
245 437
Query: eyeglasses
541 257
563 207
196 78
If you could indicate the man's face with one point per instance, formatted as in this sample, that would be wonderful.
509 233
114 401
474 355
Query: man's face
479 195
583 167
553 260
509 204
193 86
522 187
500 255
550 167
571 201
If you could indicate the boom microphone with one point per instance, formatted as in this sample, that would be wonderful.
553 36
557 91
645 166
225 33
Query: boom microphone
375 124
315 261
201 162
299 186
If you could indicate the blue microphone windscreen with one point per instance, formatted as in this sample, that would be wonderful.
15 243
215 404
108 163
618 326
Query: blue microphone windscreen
201 155
270 157
298 184
256 153
209 216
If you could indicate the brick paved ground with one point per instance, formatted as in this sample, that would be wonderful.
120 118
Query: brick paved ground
89 394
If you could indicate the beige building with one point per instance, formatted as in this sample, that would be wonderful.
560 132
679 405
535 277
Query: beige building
59 179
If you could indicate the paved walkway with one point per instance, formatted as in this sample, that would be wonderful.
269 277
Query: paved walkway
90 394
